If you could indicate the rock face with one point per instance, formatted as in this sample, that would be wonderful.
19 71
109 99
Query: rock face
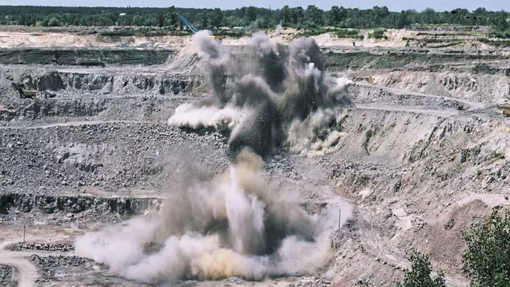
74 204
24 246
6 276
53 83
380 58
83 57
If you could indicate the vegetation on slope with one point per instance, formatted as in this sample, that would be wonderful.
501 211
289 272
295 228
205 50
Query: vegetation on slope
486 260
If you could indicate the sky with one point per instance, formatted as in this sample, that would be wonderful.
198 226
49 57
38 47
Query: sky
393 5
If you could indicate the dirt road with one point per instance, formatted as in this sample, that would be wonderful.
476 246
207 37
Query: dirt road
28 273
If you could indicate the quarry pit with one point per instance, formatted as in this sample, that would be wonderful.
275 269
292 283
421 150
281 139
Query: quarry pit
100 180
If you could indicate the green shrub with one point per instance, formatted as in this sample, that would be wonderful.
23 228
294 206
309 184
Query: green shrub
487 258
500 34
420 273
497 43
378 34
350 34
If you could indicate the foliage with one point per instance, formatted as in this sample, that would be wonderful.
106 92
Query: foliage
487 258
352 34
420 273
378 34
297 17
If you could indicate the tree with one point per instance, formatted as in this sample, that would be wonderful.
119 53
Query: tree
285 15
403 20
173 18
217 18
335 16
204 20
420 273
53 22
487 258
161 19
313 16
251 14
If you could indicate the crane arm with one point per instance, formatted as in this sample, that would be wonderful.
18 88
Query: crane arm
188 23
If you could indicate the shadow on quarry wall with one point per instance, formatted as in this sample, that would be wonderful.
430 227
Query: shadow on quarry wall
83 57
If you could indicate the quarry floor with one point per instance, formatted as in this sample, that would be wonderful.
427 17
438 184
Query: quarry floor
424 154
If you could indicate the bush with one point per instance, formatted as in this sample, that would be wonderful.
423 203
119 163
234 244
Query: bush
487 258
420 273
497 43
351 34
378 34
502 34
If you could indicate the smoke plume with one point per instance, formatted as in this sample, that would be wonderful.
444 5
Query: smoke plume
267 94
230 225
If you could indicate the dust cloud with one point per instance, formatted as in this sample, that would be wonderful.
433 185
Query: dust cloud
214 228
233 224
267 95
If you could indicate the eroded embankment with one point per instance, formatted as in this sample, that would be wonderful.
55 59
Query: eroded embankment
83 57
479 83
393 59
50 82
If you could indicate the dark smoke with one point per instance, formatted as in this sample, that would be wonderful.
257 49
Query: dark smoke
273 85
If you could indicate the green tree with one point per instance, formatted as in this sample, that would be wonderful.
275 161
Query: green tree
335 16
251 14
161 19
173 17
217 18
420 273
204 20
403 20
53 22
285 16
314 16
487 258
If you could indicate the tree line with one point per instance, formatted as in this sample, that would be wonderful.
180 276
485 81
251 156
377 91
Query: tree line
486 260
252 17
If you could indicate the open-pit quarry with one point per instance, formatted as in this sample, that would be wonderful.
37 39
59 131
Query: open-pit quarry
256 162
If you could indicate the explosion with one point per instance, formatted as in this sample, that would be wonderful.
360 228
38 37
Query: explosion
232 225
267 95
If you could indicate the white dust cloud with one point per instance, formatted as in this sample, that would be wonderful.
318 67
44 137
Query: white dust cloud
232 225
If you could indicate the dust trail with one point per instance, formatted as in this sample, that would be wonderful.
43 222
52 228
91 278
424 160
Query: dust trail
230 225
268 95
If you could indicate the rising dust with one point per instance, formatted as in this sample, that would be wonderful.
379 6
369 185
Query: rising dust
233 224
267 95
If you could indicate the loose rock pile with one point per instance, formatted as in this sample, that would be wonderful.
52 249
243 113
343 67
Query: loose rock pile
5 275
49 264
52 262
312 283
63 247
